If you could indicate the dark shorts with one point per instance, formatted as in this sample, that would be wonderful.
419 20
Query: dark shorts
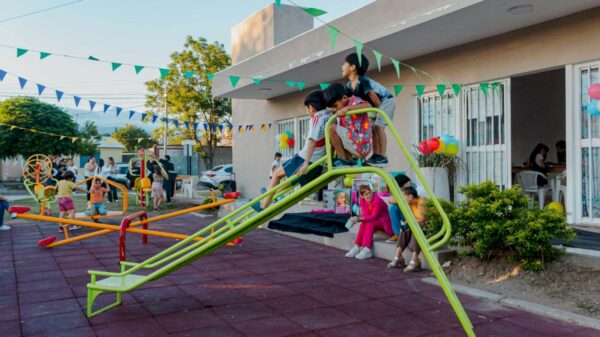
292 165
406 239
65 204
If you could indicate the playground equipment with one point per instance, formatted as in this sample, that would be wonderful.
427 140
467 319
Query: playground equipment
37 171
143 185
245 219
124 200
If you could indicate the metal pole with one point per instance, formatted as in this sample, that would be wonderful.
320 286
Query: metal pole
166 123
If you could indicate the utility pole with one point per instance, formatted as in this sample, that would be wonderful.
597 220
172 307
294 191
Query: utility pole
166 123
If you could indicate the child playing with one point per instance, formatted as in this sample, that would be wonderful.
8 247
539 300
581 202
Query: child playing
276 163
373 216
97 198
65 203
351 135
157 187
377 95
313 150
406 239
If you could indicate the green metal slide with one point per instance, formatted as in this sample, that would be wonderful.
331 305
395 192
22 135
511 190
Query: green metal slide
245 219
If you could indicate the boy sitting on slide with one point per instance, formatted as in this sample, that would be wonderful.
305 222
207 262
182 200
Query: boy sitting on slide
313 150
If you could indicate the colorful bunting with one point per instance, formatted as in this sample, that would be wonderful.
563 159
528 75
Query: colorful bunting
234 80
323 85
115 65
333 34
176 122
22 82
2 75
484 87
195 126
456 88
398 89
210 76
131 113
396 64
77 99
278 3
138 68
43 55
377 58
59 95
92 105
21 52
495 85
256 80
205 126
359 47
420 89
154 118
163 72
144 116
441 88
187 124
106 107
314 11
300 85
188 74
118 109
92 58
40 88
290 84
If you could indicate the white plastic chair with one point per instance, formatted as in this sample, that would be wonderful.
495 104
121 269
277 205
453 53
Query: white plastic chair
528 182
562 188
188 187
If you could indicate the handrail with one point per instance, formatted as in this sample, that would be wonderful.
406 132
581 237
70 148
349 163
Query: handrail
446 229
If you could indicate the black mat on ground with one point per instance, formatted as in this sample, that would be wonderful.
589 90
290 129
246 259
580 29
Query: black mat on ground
323 224
584 240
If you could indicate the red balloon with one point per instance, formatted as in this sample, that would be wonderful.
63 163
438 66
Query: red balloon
423 148
433 143
291 142
594 91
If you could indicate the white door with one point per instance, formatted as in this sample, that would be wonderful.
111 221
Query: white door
586 135
485 134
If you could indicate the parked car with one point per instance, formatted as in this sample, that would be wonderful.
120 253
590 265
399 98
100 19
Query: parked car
121 177
219 177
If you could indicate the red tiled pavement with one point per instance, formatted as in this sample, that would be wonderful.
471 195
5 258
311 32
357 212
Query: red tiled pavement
272 285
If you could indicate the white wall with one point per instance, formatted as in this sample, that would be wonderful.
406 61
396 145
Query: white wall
538 113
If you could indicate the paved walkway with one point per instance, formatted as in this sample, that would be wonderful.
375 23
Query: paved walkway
271 286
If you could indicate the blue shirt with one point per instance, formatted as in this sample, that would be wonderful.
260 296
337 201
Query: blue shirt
364 85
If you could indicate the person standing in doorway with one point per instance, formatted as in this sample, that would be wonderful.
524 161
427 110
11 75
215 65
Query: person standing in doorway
276 164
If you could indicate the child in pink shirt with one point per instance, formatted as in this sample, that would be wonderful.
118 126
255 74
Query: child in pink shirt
373 216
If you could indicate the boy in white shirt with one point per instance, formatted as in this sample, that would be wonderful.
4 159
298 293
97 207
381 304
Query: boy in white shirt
276 164
313 150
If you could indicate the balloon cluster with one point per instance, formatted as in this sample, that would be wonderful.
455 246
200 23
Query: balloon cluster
594 106
446 144
285 140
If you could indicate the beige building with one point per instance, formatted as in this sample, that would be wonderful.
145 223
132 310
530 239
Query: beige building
542 55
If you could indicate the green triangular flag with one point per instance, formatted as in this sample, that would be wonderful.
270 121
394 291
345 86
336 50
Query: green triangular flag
92 58
188 74
163 72
495 85
291 84
43 55
21 52
396 64
377 58
256 80
210 76
324 85
420 89
234 80
278 3
300 85
484 87
398 89
441 89
359 48
138 69
333 34
314 11
456 88
115 65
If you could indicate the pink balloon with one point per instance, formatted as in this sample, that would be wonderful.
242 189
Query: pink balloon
594 91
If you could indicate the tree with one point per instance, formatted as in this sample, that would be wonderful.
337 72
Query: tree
190 99
133 138
89 131
31 113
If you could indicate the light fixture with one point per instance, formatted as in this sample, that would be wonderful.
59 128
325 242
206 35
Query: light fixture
264 89
520 9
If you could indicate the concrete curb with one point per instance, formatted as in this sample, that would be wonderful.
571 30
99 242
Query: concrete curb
534 308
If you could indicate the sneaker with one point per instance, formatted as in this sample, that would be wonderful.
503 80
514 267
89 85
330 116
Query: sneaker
256 207
392 239
413 266
353 252
365 253
4 228
74 228
396 263
377 160
343 163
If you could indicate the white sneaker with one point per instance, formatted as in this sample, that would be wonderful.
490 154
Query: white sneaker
352 252
365 253
4 228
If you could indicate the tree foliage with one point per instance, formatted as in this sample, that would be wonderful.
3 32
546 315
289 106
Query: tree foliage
190 99
89 131
29 112
130 136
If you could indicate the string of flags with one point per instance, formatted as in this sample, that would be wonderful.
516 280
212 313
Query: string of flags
62 137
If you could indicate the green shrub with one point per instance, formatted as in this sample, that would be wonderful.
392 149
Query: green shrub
433 219
496 223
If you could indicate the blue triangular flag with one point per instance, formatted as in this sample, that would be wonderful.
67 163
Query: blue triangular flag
59 95
118 110
106 107
176 122
213 127
22 82
205 126
40 89
195 126
144 116
92 105
187 124
77 99
2 74
165 120
154 117
221 128
131 113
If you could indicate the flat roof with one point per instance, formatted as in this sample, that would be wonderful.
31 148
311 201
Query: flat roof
403 29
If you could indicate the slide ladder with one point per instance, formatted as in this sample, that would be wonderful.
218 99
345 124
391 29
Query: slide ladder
245 219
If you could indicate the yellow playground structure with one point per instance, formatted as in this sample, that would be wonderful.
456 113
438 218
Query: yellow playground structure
37 178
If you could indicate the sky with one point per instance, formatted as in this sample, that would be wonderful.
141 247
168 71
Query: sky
142 32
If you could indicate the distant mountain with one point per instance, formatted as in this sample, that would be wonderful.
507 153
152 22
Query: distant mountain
108 122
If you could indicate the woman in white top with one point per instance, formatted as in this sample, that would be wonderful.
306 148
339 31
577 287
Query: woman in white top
108 171
89 169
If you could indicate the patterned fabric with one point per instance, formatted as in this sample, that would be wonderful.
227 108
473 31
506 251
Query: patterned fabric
358 129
